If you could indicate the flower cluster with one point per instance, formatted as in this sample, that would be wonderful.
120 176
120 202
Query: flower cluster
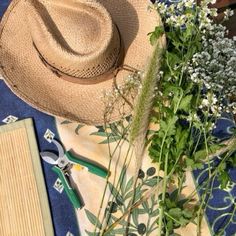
215 67
124 93
186 12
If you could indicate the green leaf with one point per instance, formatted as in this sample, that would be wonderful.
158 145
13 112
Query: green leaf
224 179
232 161
128 195
138 193
155 213
151 182
145 206
155 35
198 165
150 132
78 128
222 167
215 147
115 193
153 39
102 134
194 164
182 142
201 154
122 222
174 195
171 125
91 233
100 128
170 225
122 179
65 122
183 221
185 103
134 215
111 140
141 211
169 203
181 202
129 184
175 212
172 58
121 231
189 162
93 219
187 214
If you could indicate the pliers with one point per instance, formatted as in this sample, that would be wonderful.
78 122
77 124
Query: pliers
63 162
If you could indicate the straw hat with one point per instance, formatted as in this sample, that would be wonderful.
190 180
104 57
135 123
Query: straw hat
60 55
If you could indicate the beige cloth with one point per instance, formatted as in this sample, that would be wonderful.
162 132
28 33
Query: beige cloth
91 186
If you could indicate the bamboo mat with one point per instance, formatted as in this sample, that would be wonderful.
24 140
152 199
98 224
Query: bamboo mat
24 208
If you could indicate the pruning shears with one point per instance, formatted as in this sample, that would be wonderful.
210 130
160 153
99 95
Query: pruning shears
63 162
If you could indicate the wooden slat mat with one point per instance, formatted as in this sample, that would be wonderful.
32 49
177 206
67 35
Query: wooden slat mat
24 208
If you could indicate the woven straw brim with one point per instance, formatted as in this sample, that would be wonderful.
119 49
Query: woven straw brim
28 78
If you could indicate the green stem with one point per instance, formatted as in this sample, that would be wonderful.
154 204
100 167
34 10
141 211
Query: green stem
213 174
181 184
207 152
111 155
205 197
164 187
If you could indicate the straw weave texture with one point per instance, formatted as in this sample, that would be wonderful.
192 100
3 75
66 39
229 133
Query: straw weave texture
23 200
28 77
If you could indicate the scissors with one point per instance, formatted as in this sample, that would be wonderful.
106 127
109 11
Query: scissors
63 162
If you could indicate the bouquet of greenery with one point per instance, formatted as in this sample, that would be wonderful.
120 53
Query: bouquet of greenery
197 86
184 95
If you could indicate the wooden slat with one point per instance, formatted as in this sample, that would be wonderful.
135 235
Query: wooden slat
24 208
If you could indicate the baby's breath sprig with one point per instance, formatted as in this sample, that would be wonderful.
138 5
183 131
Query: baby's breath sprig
122 94
215 67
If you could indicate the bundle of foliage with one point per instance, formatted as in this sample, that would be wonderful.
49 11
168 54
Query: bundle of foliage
197 86
188 84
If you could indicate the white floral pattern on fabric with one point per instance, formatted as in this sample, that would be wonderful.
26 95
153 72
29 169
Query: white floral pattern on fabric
10 119
49 135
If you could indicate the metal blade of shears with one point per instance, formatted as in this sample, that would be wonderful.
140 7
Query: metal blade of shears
60 148
49 157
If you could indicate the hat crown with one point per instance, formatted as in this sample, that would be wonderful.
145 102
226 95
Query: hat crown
76 38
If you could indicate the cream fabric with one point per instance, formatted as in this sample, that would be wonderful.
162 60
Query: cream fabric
91 187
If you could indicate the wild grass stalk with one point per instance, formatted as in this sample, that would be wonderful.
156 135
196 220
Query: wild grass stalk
143 107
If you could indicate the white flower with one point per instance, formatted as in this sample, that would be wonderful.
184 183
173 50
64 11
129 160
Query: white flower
214 100
162 8
205 103
228 13
215 67
189 3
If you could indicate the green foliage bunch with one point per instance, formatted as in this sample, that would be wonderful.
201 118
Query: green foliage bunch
177 96
183 109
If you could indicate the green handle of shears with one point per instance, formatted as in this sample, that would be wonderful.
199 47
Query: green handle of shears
97 170
71 193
